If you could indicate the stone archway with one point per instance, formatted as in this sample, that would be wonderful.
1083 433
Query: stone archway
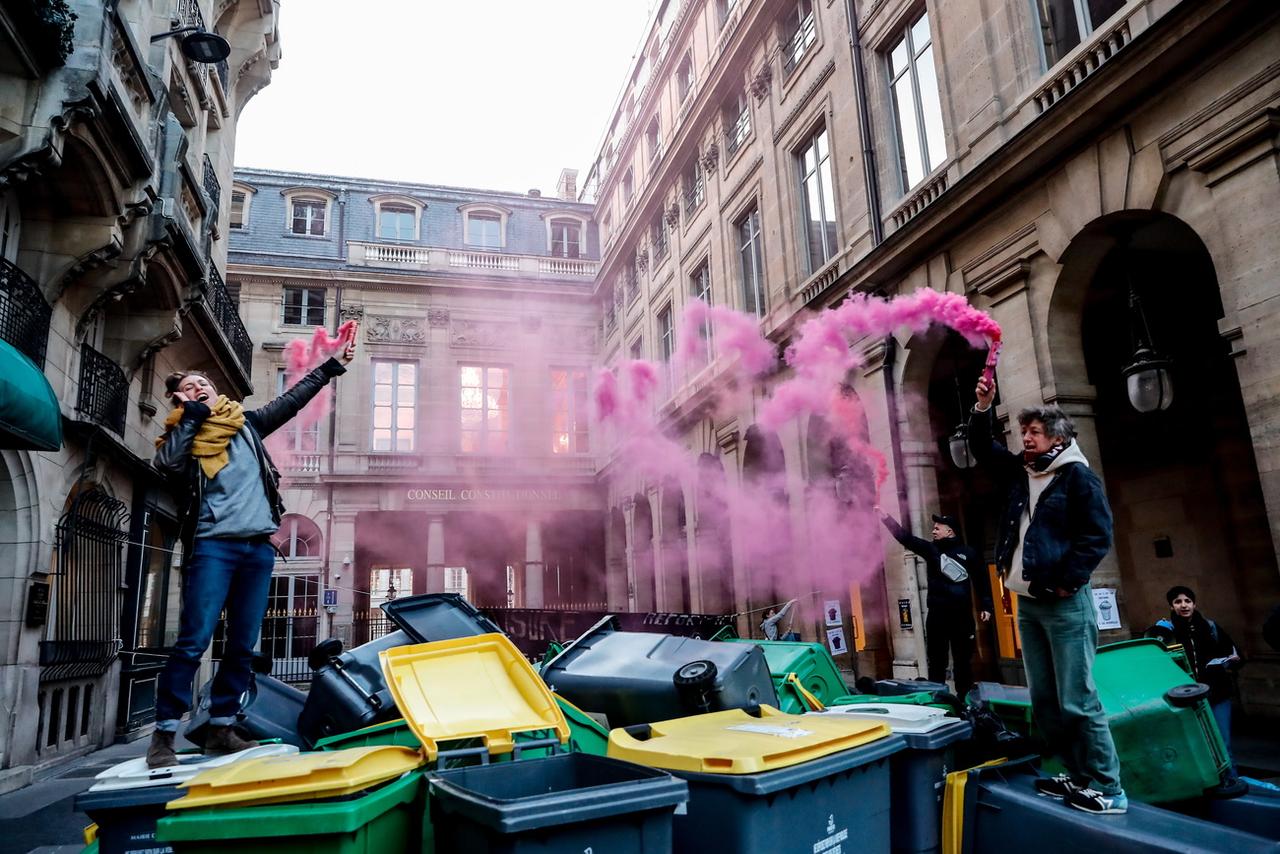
1183 483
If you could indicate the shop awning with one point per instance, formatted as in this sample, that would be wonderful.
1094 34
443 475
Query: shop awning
29 416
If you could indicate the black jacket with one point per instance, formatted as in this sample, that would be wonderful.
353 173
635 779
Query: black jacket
1070 532
944 593
174 460
1203 641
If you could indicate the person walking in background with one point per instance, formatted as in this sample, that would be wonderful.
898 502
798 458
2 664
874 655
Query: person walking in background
952 570
1210 652
1055 530
772 618
212 452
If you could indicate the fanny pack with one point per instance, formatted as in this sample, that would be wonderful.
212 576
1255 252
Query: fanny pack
953 570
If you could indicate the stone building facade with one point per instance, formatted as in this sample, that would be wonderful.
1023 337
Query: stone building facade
456 454
116 157
1096 174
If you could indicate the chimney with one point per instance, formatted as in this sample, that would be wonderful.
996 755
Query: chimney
567 188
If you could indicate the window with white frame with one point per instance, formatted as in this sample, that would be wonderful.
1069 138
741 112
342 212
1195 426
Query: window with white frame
695 188
1064 24
684 76
817 200
307 215
485 410
387 583
659 236
566 238
653 139
723 9
799 32
397 221
628 187
737 122
666 338
700 289
751 260
917 110
299 437
484 229
298 537
302 307
239 216
569 433
455 580
395 396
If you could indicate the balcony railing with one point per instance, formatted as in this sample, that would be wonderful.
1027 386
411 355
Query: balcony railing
435 259
189 13
212 187
693 198
104 391
797 45
737 134
224 312
24 313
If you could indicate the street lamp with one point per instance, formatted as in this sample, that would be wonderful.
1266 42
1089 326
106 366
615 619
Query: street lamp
958 444
1147 376
199 45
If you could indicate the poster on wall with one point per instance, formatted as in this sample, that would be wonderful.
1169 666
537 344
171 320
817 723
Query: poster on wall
835 640
831 612
1104 603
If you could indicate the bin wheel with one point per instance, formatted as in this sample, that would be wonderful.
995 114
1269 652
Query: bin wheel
324 652
696 674
1185 696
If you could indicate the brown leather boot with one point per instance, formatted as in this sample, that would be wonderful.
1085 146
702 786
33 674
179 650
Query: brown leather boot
160 752
225 739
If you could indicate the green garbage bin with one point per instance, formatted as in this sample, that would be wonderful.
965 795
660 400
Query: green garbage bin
812 665
385 818
919 698
1165 735
389 732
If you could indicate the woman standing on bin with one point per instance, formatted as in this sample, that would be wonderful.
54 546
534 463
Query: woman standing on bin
212 452
1210 651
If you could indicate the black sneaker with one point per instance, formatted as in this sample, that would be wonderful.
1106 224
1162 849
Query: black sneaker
1056 787
1091 800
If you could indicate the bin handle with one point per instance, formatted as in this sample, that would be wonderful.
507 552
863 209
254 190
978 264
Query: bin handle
640 732
807 697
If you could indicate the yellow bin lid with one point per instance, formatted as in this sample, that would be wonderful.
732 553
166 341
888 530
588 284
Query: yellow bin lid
473 687
735 742
297 777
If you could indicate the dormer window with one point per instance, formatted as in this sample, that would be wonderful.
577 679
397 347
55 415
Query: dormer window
397 217
485 226
241 199
566 238
307 211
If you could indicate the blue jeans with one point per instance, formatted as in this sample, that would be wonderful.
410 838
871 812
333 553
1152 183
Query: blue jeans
235 574
1222 714
1059 639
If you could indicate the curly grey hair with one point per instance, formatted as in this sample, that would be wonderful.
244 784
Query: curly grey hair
1056 422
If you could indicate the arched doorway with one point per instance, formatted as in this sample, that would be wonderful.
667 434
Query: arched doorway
712 538
765 529
646 593
1182 481
616 559
675 548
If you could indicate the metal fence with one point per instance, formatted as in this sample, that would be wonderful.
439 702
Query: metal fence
104 391
24 313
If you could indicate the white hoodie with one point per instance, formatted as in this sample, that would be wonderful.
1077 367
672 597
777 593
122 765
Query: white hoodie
1036 483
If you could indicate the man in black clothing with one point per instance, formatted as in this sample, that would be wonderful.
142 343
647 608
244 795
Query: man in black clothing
952 568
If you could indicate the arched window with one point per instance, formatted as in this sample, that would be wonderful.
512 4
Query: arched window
307 211
241 201
397 217
298 537
484 226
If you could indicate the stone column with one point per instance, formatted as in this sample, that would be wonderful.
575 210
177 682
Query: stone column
435 554
533 565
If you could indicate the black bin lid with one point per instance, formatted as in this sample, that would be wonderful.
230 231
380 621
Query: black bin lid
437 616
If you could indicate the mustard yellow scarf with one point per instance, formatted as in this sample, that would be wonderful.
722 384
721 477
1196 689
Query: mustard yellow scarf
214 436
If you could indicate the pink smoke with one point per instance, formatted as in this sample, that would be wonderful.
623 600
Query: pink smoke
843 543
302 356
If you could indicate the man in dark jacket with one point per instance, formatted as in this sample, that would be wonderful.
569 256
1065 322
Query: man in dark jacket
212 451
952 568
1054 532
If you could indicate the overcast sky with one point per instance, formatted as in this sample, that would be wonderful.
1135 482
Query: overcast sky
493 94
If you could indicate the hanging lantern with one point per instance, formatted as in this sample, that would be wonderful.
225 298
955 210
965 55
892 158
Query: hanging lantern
1149 381
958 443
1148 378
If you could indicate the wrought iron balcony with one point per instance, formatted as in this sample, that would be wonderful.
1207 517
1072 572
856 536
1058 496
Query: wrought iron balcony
737 134
104 391
224 312
212 188
24 313
693 198
188 12
798 43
